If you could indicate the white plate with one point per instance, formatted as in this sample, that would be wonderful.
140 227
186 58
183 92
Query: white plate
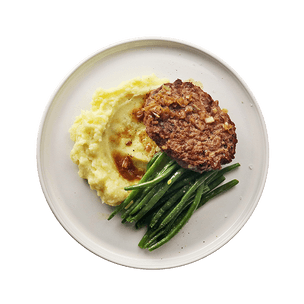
78 208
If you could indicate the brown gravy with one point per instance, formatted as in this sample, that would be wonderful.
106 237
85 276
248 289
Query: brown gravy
126 167
138 114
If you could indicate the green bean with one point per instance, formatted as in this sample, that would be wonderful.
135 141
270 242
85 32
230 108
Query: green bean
186 215
137 203
218 191
144 239
145 220
150 172
135 207
170 202
147 217
160 192
155 235
177 209
186 204
152 235
156 180
209 185
152 160
145 199
148 236
206 190
164 202
209 194
166 166
189 178
226 169
184 219
128 209
155 195
216 182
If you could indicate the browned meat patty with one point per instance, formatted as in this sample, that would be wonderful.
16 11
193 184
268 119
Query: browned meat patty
187 124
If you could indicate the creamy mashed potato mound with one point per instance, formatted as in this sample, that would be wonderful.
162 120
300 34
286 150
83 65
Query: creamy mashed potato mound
111 146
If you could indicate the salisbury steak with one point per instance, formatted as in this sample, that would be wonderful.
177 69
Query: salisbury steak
189 126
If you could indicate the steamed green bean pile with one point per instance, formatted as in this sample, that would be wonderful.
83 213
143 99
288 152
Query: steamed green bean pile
167 196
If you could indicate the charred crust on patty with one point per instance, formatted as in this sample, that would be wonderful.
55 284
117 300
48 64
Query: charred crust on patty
187 124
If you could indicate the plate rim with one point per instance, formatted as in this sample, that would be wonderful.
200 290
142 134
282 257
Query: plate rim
125 43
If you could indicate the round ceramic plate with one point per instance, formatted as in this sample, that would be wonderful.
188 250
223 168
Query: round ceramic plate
78 208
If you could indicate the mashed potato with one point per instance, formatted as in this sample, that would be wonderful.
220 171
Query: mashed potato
111 146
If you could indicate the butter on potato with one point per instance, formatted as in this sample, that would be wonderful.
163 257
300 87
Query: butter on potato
111 145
